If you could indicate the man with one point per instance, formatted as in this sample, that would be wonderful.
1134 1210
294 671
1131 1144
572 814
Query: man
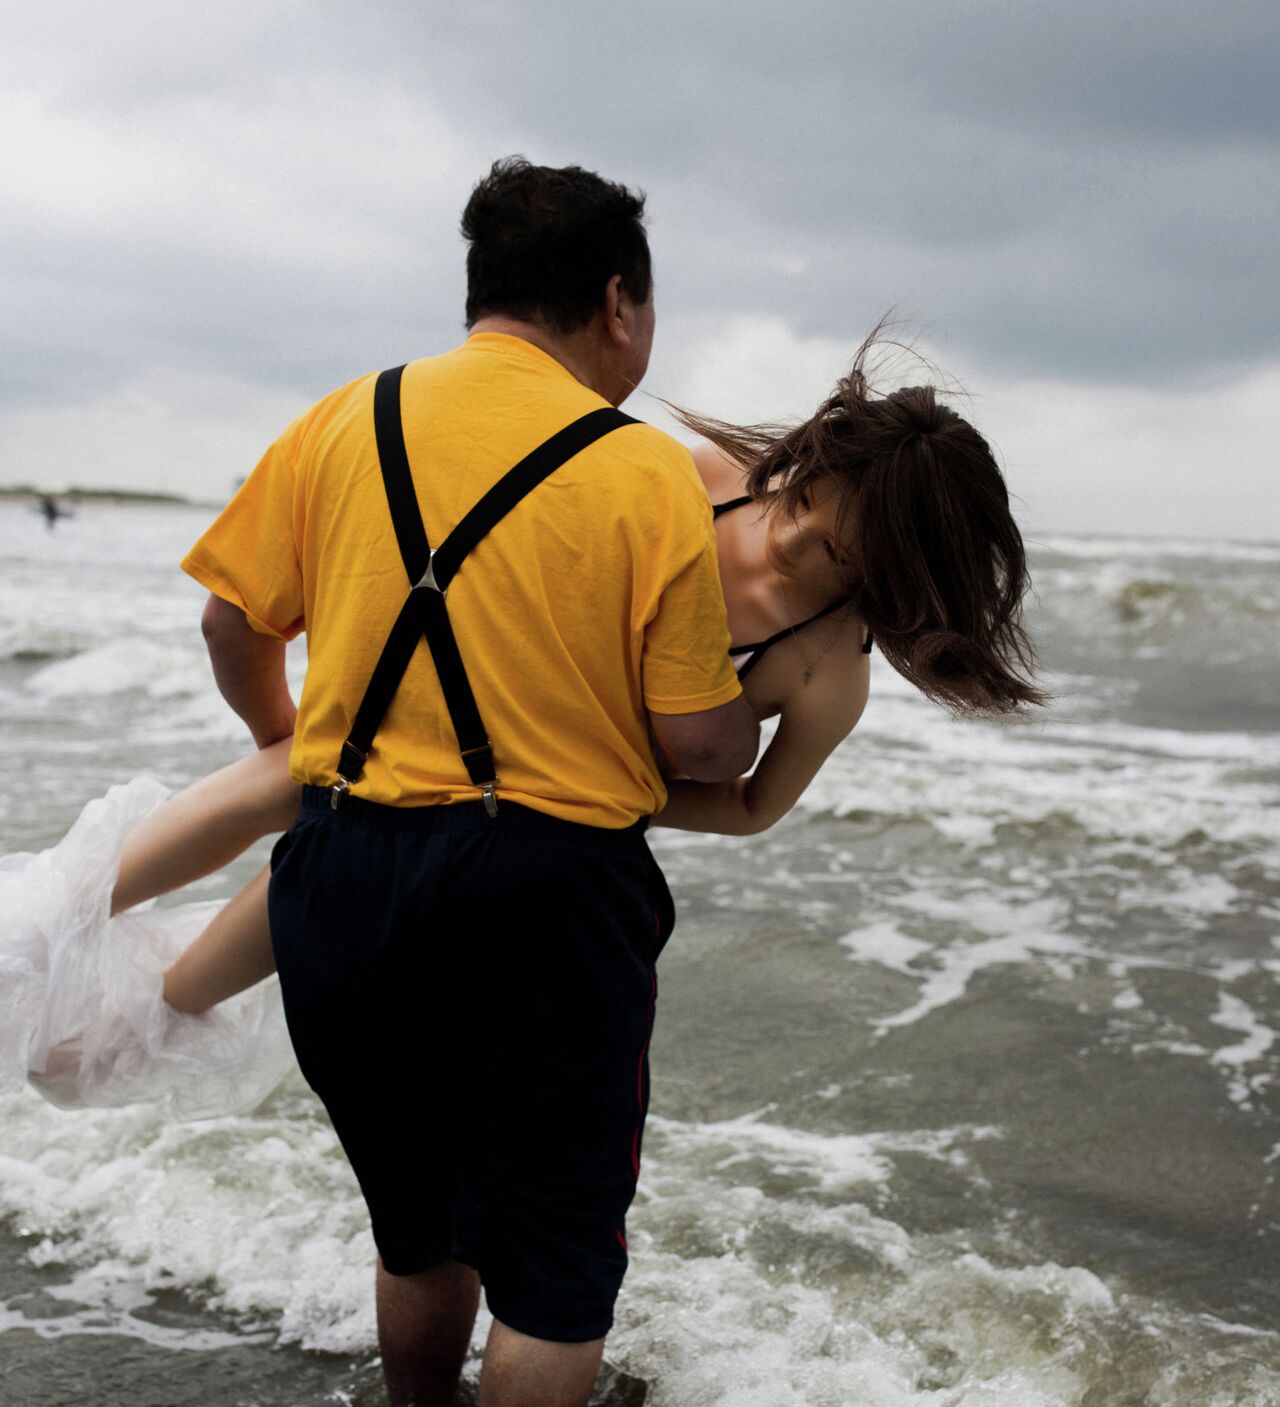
465 937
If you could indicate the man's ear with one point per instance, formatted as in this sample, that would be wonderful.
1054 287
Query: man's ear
617 312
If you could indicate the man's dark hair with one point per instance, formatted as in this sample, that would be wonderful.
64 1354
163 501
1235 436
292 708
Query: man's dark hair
545 241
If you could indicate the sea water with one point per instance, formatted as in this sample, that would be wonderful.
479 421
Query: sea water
965 1077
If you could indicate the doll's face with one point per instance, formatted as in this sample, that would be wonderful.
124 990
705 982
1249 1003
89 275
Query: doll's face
806 548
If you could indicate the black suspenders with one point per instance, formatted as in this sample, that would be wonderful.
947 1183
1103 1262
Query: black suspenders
430 571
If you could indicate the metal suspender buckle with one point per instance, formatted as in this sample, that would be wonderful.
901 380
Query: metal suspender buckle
350 765
428 579
479 765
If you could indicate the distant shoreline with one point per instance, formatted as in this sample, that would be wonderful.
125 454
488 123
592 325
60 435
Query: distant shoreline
85 495
1035 541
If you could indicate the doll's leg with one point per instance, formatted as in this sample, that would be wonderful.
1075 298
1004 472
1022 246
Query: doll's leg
200 829
231 954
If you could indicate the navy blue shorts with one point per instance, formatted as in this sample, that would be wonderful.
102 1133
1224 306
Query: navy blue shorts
472 999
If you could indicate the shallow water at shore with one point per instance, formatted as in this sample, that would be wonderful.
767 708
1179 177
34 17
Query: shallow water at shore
965 1078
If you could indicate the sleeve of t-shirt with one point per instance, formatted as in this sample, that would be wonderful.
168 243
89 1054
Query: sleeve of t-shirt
686 646
250 555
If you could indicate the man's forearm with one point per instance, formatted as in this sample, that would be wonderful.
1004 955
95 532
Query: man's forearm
248 669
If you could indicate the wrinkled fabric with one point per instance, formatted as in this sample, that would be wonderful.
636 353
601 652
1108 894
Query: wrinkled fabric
82 1012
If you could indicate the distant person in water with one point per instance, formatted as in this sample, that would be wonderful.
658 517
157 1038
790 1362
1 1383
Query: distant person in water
50 510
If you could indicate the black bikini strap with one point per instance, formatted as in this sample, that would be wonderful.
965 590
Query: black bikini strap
718 508
763 645
757 651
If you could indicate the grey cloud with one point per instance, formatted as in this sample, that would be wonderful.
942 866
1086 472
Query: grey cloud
1085 189
1076 190
1164 71
86 330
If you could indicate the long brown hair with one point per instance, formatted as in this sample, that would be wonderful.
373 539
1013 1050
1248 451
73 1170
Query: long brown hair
934 560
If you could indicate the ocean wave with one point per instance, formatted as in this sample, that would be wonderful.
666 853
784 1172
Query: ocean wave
1108 548
106 1299
1146 601
1126 601
808 1295
1111 780
25 642
157 669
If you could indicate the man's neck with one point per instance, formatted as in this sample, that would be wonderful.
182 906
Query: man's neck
574 351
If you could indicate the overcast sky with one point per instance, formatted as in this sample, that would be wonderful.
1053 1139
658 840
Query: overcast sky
212 215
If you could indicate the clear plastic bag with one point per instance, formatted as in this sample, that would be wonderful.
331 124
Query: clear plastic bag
82 1012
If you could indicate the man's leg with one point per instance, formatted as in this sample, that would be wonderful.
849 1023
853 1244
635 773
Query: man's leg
553 1164
424 1330
523 1372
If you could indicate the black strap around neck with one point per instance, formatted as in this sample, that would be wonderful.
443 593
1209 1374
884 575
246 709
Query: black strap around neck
759 649
719 508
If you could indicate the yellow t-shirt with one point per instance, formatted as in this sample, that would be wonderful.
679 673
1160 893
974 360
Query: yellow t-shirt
597 598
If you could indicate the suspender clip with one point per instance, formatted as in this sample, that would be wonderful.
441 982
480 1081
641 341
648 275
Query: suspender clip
337 791
479 763
428 581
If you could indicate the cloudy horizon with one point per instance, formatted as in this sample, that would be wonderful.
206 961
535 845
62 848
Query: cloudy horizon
215 217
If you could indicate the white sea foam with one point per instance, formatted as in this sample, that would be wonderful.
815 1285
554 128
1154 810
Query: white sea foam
1153 786
1102 735
175 678
1193 898
973 832
1017 932
263 1209
25 639
723 1307
987 931
885 943
825 1162
107 1297
1236 1015
1107 549
1168 1048
260 1215
803 1296
159 670
956 967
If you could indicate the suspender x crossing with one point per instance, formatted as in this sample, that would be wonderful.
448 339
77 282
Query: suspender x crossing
424 614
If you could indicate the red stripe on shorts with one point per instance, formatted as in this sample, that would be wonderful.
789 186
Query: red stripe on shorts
644 1050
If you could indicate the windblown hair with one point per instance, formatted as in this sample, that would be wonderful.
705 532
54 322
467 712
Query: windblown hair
933 558
545 242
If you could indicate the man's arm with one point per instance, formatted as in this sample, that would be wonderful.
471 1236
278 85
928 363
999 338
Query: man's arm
711 746
248 668
815 720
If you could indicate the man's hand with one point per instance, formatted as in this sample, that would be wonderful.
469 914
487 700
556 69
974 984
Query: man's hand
248 668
